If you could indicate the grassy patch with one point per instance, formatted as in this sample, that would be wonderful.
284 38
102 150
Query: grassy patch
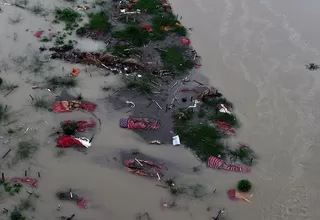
4 112
173 59
17 215
136 35
11 188
60 153
69 128
8 86
69 16
41 102
149 6
244 185
36 63
163 24
203 139
196 191
25 150
140 84
198 131
37 8
244 154
55 82
123 50
99 21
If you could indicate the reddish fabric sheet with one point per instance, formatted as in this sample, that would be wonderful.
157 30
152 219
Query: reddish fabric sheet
74 105
30 181
143 123
68 141
217 163
225 127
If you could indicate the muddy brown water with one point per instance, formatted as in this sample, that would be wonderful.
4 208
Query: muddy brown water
254 51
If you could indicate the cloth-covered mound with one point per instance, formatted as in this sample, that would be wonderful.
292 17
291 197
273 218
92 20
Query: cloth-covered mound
73 105
144 168
69 141
139 123
217 163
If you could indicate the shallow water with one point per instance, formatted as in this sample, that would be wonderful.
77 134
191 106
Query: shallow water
254 52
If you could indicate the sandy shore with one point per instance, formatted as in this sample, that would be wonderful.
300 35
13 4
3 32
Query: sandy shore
250 51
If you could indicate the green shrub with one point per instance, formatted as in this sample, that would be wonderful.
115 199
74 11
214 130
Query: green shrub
244 185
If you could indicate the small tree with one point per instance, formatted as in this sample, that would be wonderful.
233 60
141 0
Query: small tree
244 185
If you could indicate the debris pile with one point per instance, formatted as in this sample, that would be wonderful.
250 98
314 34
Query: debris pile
144 168
107 61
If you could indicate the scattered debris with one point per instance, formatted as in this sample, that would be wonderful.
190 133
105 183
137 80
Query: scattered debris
143 216
107 61
176 140
71 196
6 153
219 214
155 142
82 7
144 168
132 105
312 66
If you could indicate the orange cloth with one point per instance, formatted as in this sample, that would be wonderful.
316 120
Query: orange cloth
165 28
75 72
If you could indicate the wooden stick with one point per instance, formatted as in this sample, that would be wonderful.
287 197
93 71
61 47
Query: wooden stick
6 153
10 91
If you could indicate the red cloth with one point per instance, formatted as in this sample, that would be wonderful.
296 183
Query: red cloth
147 27
217 163
62 106
30 181
232 194
185 41
82 203
225 127
38 33
143 123
90 107
68 141
82 125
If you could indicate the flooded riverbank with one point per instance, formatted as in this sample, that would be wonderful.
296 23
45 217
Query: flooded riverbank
254 52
